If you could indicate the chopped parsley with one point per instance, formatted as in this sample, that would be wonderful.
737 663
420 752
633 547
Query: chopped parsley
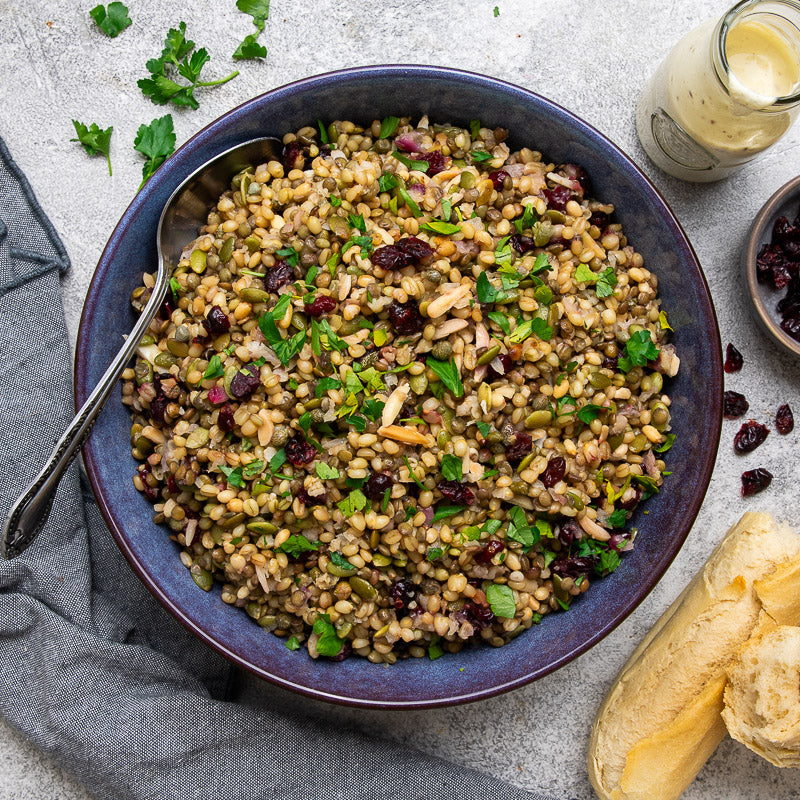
617 518
528 327
328 644
669 440
448 374
326 472
501 600
214 368
113 20
451 467
639 349
292 643
339 560
419 166
234 476
590 412
95 140
388 127
296 544
387 182
479 156
355 501
442 512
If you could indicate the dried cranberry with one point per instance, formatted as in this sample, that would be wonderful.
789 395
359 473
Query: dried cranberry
415 249
781 276
610 362
216 321
522 243
403 592
436 161
784 419
389 257
573 566
733 359
293 156
321 305
498 178
456 493
490 550
554 472
519 448
557 197
150 492
167 307
311 499
479 615
787 236
755 481
734 405
299 451
770 257
792 326
157 408
505 366
376 486
599 219
280 275
225 418
569 532
172 485
246 381
405 317
750 436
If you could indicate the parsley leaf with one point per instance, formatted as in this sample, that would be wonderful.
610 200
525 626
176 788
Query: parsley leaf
435 649
177 60
249 49
484 428
257 9
326 384
289 255
503 254
408 200
530 326
111 21
387 182
606 282
448 374
357 221
234 476
479 156
214 368
296 544
278 460
519 530
526 220
486 292
328 643
501 600
95 140
323 133
388 127
286 349
639 349
419 166
292 643
451 467
443 228
617 518
434 553
585 274
326 472
496 11
372 408
340 561
355 501
442 512
590 412
156 142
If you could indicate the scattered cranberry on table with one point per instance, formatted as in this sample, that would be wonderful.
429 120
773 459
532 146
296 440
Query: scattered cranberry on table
755 481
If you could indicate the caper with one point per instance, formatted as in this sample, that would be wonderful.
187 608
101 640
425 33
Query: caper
433 275
660 415
519 487
369 359
318 416
442 351
280 436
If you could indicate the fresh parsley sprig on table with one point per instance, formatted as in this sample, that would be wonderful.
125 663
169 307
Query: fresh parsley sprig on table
156 142
95 140
249 48
178 59
112 20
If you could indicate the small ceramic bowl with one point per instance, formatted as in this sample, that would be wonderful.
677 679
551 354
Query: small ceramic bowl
784 203
364 94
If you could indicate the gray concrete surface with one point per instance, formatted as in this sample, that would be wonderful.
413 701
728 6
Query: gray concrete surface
591 57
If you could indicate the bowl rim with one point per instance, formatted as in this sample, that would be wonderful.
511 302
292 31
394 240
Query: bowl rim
706 457
760 223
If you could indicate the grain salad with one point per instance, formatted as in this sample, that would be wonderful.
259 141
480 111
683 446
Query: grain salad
405 392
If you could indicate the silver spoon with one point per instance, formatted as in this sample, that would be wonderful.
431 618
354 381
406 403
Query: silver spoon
180 220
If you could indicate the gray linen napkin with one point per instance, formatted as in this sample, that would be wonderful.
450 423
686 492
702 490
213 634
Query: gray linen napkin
93 670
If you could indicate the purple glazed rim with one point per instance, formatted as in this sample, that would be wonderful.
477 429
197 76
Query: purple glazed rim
478 686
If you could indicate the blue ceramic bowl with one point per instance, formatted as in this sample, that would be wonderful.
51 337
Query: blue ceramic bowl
448 96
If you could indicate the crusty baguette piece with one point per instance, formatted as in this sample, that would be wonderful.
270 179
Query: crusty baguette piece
661 719
762 698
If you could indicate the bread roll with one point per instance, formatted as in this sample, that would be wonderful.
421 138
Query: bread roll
762 699
661 719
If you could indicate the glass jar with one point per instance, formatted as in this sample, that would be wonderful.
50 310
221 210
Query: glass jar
727 91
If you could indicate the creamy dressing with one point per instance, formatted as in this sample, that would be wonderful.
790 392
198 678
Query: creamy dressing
698 129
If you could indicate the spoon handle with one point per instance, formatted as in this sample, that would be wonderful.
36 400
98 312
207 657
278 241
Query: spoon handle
29 513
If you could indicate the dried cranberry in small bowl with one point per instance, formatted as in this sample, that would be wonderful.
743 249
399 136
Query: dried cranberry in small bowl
733 359
755 481
784 419
750 436
792 326
415 248
734 405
